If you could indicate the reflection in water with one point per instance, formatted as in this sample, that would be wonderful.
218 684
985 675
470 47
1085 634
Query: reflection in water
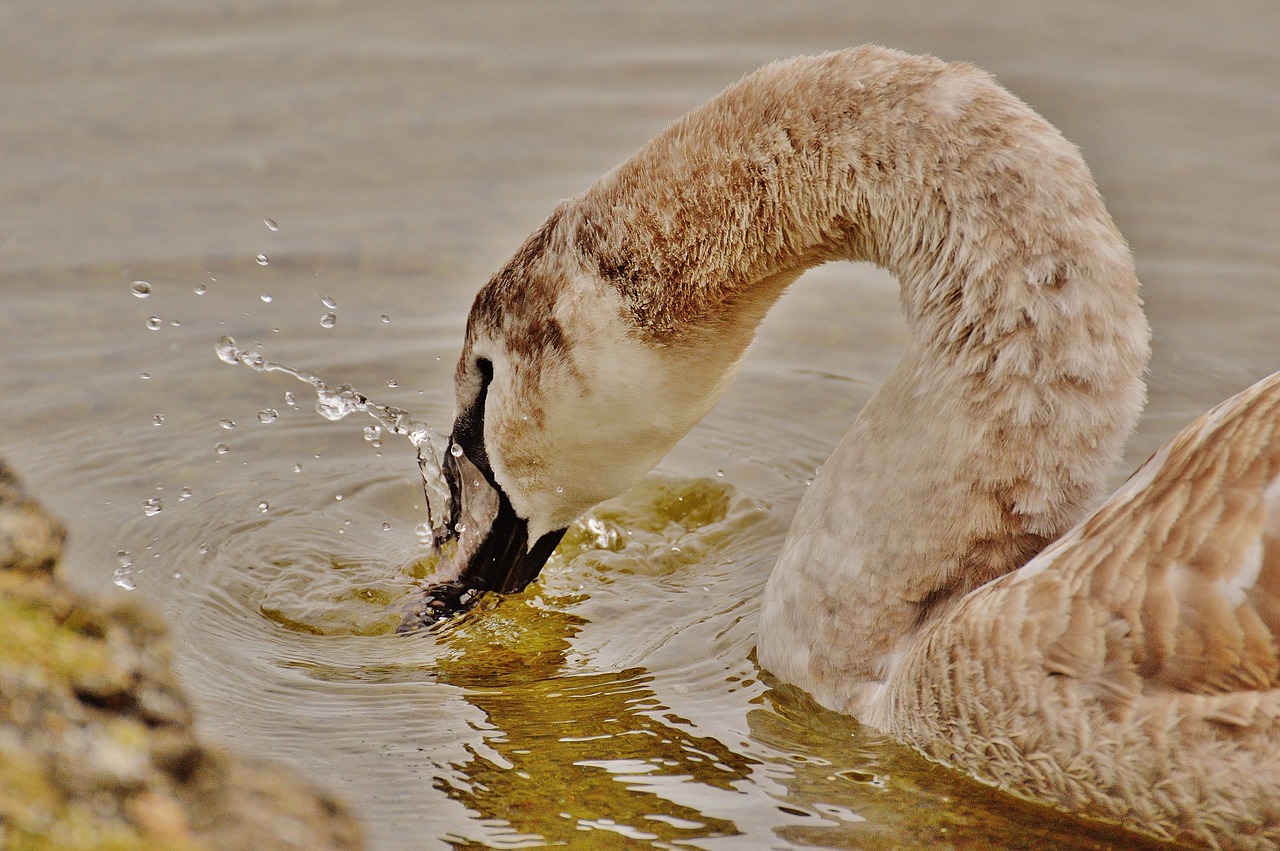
561 752
567 755
875 791
402 150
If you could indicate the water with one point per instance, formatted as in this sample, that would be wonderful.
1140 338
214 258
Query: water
336 403
389 157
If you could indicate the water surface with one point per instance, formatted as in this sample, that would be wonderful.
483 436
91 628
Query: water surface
401 152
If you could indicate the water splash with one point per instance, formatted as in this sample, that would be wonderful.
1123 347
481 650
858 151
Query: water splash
334 403
123 577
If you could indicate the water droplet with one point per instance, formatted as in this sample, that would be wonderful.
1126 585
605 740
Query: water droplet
203 549
290 400
386 527
154 323
184 494
266 299
228 424
262 259
221 448
297 468
328 320
226 350
455 450
177 574
144 376
393 383
338 497
386 318
153 506
268 415
559 488
158 419
141 289
201 289
271 224
125 558
329 302
123 577
720 473
377 444
371 432
459 527
264 507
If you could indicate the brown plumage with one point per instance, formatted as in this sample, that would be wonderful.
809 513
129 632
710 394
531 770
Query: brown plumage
1130 670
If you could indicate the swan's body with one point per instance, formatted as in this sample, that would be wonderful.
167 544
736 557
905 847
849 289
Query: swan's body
1128 671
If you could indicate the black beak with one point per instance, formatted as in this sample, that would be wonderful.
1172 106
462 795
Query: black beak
493 551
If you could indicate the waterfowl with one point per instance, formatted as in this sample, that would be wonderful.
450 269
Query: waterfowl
941 581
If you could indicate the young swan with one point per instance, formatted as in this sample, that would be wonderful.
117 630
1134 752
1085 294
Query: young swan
1129 671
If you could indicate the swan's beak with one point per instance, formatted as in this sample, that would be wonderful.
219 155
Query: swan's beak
490 548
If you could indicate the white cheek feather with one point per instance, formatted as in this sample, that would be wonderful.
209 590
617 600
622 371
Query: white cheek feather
609 409
610 427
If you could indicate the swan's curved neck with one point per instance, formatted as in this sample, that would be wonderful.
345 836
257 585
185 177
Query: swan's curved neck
1024 374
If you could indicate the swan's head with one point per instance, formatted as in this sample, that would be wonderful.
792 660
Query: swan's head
564 399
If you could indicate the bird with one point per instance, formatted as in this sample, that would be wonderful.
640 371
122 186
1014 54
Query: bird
947 578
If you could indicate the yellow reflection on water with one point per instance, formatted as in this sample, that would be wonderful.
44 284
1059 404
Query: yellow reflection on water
577 757
571 755
875 792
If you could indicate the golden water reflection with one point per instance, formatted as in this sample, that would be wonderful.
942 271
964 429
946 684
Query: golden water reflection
573 757
585 758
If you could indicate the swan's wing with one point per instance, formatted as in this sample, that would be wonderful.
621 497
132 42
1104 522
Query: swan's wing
1173 585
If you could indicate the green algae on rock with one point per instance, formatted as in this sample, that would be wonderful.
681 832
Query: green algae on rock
97 747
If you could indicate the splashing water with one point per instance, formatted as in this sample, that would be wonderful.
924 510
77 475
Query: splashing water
337 402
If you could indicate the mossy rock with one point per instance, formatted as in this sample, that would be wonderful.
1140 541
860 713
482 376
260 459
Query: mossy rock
97 746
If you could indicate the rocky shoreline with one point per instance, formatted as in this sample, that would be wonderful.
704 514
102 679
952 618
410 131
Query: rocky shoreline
97 741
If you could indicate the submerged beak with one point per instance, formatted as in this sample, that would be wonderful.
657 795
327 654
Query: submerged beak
493 551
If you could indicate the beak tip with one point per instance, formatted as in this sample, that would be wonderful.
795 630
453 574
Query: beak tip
435 603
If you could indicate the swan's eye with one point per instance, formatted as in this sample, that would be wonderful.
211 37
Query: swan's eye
468 430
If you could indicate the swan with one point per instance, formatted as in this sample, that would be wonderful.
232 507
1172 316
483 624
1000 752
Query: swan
943 580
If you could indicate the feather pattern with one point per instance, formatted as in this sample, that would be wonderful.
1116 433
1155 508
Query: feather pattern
1131 669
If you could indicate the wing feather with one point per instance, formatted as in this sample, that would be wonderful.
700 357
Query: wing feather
1174 583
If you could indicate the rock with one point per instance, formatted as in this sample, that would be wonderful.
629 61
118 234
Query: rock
97 743
30 538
